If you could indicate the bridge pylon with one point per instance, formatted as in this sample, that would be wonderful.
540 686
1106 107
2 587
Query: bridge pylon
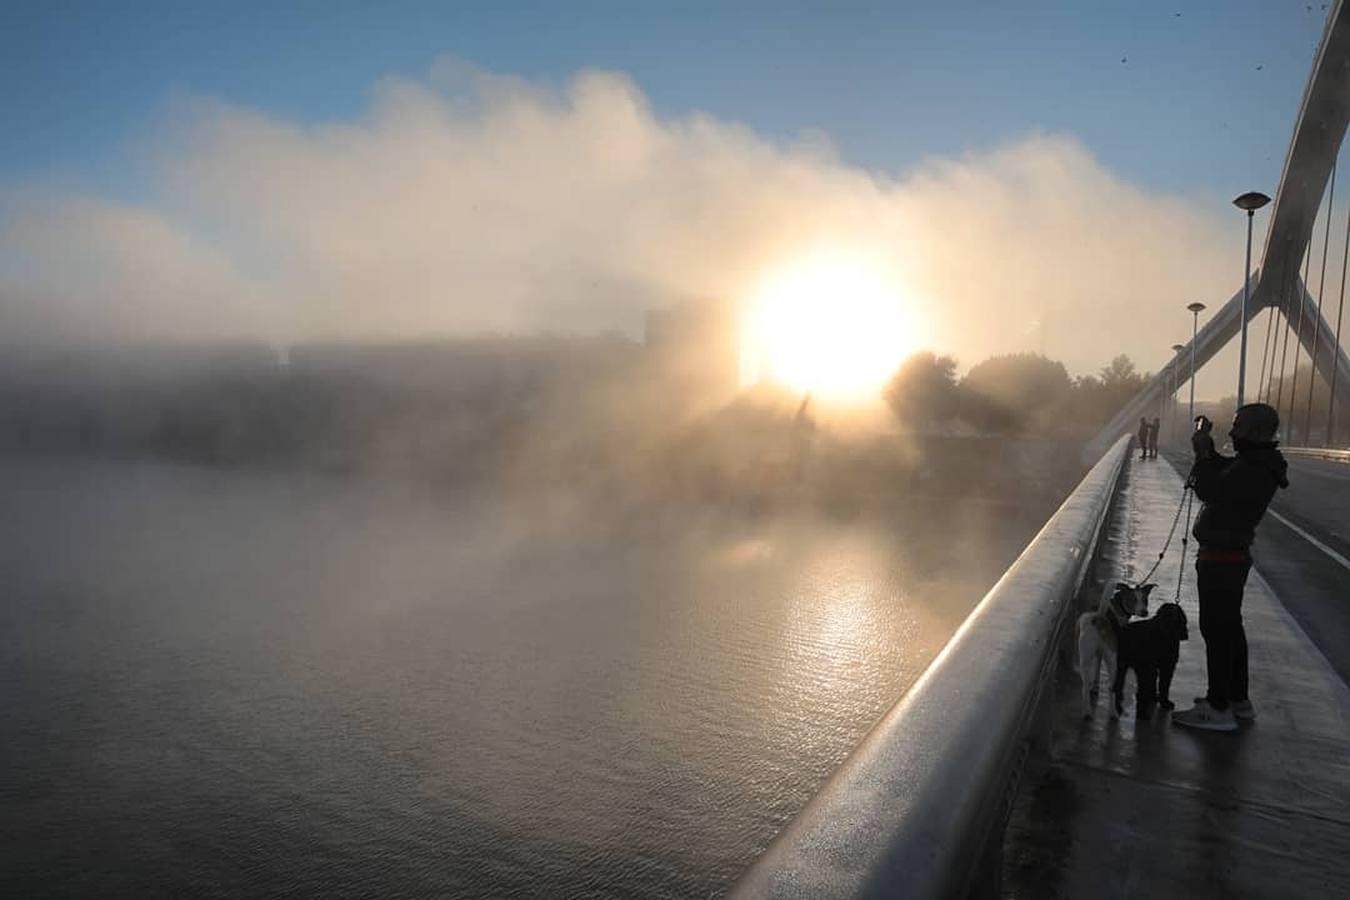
1319 130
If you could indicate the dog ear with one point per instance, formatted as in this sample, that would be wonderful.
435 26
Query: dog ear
1122 585
1147 588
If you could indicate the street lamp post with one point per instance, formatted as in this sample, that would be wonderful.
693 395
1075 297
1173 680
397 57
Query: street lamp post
1250 202
1195 309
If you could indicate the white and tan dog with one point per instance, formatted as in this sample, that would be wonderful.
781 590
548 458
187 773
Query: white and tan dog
1099 636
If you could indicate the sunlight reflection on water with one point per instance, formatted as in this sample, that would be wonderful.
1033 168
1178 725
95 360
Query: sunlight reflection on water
258 686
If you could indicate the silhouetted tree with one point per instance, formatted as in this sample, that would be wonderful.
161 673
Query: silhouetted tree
1026 390
923 390
1120 373
1017 392
1096 398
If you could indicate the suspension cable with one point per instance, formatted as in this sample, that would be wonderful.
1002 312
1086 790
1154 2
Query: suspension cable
1267 346
1336 348
1298 339
1262 386
1317 316
1288 323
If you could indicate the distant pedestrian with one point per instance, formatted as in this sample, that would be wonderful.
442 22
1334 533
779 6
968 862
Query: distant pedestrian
1143 437
1236 491
1153 428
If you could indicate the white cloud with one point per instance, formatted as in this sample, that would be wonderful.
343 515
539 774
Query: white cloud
472 202
72 267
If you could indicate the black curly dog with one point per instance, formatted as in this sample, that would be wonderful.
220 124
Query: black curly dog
1150 647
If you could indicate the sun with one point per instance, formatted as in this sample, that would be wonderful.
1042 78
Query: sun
834 326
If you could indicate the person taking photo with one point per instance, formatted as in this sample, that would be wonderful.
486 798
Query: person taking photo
1235 491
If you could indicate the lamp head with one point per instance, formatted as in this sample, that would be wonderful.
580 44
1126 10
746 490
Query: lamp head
1196 307
1177 348
1251 201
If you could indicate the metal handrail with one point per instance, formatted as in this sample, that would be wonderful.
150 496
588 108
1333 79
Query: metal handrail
1317 453
914 808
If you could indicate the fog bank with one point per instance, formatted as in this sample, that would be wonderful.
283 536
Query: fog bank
467 202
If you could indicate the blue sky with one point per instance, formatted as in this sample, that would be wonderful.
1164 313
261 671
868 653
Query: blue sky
1172 102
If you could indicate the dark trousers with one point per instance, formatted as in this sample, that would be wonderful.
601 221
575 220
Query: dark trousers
1220 585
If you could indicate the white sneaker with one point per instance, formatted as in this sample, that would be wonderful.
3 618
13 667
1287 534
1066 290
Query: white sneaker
1243 710
1202 715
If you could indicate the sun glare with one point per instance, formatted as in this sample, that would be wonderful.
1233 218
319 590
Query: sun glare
833 326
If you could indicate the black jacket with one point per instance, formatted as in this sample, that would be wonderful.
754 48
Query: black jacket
1236 492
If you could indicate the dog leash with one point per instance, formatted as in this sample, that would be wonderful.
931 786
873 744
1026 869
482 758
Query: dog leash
1188 498
1184 504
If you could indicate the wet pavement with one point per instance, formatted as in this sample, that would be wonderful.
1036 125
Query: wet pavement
1129 808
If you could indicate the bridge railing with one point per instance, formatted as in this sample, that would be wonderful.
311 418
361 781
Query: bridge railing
1317 453
919 808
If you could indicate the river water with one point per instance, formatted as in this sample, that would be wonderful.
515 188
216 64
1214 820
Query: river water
224 684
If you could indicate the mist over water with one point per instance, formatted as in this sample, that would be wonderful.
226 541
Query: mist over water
547 615
225 681
355 545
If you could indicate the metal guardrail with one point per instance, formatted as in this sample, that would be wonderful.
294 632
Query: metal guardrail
918 809
1317 453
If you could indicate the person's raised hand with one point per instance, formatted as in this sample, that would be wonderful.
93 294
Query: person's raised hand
1202 443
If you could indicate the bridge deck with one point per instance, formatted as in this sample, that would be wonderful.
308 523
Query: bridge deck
1313 584
1141 808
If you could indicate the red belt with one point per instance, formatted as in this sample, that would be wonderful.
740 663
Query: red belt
1224 556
